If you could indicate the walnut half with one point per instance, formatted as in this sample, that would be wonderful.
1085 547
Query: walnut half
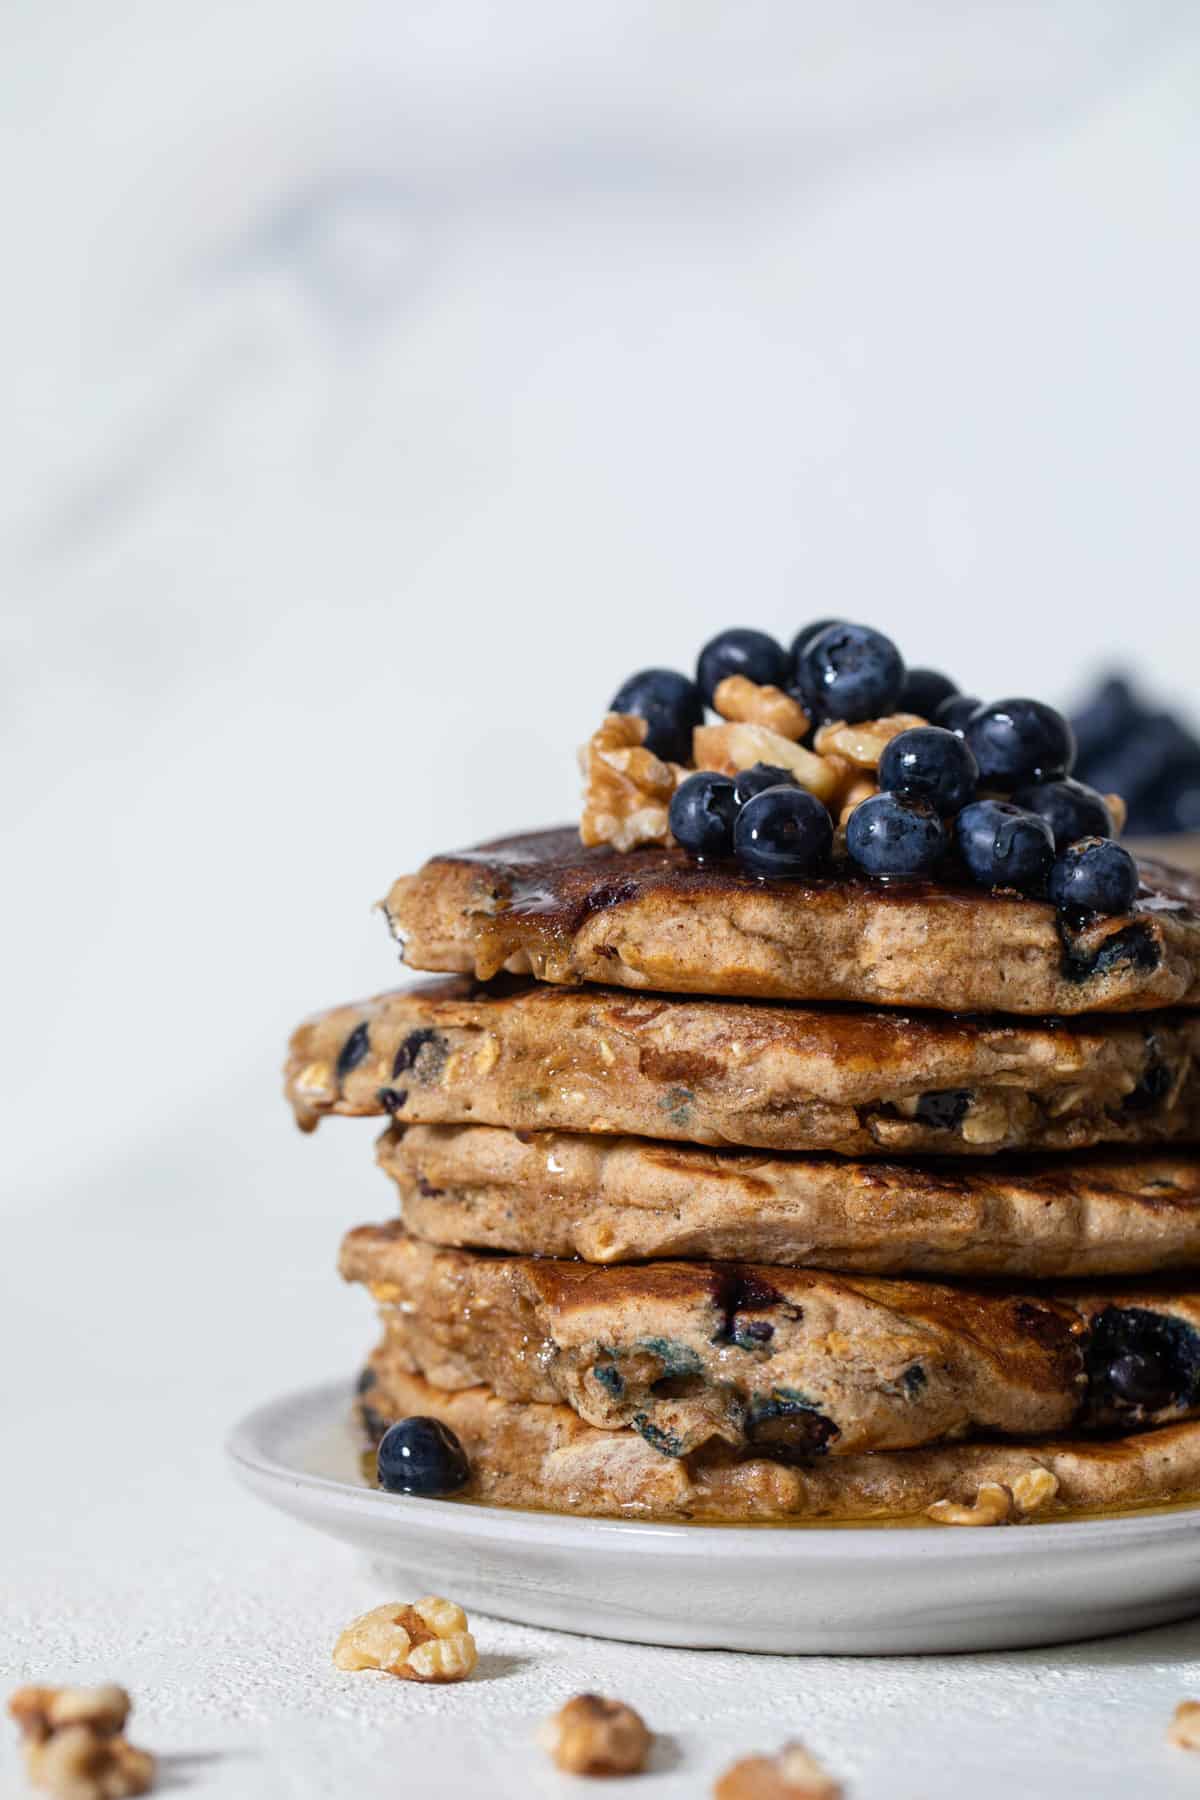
792 1775
1184 1730
427 1641
594 1736
627 791
73 1743
41 1711
80 1763
741 701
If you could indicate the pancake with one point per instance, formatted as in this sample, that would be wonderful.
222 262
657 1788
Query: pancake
544 905
545 1456
718 1072
758 1356
614 1200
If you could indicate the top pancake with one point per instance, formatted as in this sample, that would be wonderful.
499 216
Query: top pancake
544 905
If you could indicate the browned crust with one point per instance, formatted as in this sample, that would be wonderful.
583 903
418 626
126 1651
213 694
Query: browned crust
749 1073
673 1347
612 1200
541 904
545 1456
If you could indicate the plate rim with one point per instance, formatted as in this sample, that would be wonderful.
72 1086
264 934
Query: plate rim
252 1462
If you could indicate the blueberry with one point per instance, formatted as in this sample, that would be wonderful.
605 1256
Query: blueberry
740 652
1095 875
671 706
1112 713
353 1051
944 1108
702 814
1071 810
421 1456
954 713
1018 741
850 672
783 832
1141 1378
806 634
891 835
1147 764
1142 1361
929 763
1005 847
924 691
748 782
1178 808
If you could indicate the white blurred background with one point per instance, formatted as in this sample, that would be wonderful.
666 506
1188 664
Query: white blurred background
384 382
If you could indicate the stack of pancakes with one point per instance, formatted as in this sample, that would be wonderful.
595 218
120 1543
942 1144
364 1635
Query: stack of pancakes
724 1199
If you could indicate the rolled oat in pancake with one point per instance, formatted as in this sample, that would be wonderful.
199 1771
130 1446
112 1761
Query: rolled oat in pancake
545 1456
861 1082
756 1356
544 905
614 1200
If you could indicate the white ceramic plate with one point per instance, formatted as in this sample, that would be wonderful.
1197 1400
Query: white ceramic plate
821 1589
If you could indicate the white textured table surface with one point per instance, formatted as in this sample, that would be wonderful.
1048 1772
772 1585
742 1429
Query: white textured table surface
383 383
130 1554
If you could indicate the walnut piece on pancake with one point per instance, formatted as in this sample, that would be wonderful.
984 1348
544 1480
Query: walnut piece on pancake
73 1743
425 1641
996 1502
791 1775
1033 1490
993 1506
627 792
591 1735
741 701
730 748
865 743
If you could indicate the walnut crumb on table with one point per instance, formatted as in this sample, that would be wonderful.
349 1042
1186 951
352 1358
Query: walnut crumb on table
791 1775
1184 1730
594 1736
73 1743
425 1641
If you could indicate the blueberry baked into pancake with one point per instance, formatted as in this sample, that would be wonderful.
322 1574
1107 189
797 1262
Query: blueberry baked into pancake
805 1134
798 1361
723 1072
544 1455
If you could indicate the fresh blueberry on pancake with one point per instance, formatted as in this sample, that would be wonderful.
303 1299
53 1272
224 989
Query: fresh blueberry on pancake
1094 876
1018 741
702 812
782 833
924 691
954 713
890 834
748 782
851 672
1004 847
759 658
1070 808
671 706
930 763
